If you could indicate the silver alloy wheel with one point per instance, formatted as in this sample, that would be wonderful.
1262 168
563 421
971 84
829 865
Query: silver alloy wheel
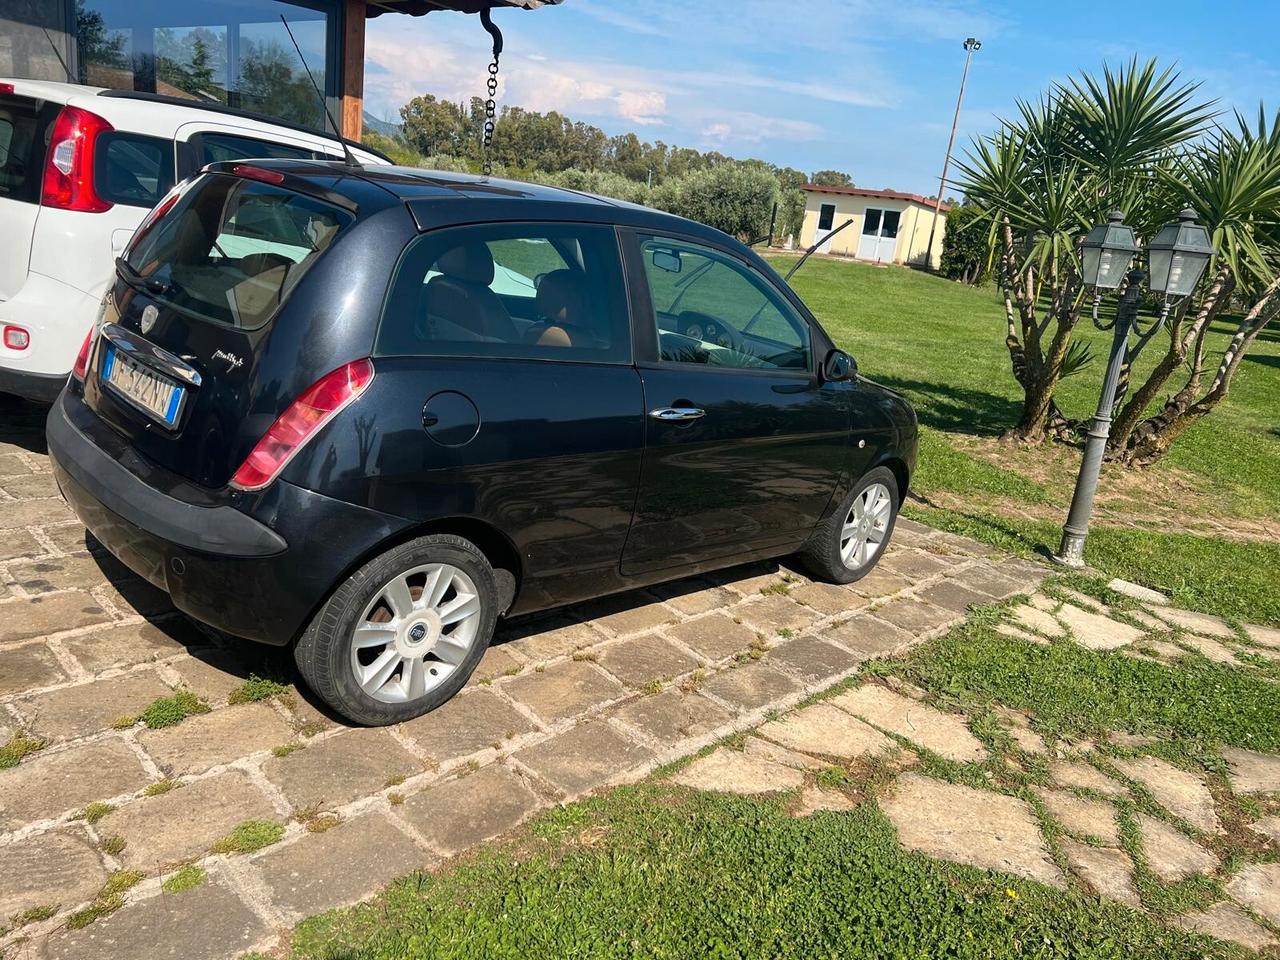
415 632
866 526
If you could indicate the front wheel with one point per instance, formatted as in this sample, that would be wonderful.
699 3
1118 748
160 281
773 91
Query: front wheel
403 633
847 545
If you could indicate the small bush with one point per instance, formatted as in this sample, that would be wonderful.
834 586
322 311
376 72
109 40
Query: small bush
184 879
118 883
112 845
19 746
249 836
33 915
160 786
94 812
168 711
95 911
284 749
255 689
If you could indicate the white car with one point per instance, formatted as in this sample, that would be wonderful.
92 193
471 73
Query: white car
80 167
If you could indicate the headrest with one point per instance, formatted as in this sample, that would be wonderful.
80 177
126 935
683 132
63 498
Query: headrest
470 263
562 298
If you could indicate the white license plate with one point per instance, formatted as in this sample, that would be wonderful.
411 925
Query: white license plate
158 396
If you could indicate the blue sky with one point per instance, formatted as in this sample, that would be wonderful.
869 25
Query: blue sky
866 86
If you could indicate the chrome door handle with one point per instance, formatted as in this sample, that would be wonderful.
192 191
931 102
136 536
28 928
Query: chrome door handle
677 413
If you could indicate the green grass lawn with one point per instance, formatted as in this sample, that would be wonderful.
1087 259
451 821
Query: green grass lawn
941 344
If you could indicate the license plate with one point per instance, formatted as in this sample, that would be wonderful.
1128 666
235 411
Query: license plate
154 394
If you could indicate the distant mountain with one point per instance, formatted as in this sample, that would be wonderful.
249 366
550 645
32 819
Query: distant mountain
381 126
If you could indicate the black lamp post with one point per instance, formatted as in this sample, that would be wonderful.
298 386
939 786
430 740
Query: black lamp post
1176 258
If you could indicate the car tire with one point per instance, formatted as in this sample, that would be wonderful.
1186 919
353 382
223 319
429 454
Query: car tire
832 555
399 605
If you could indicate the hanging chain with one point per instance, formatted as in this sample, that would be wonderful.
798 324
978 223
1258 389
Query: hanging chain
491 84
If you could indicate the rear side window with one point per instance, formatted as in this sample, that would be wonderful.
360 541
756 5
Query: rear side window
231 249
133 170
24 139
216 147
546 291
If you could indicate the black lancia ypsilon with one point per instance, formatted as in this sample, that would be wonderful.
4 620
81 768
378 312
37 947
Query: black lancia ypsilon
367 412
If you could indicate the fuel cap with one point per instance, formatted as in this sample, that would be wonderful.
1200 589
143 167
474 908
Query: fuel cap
450 419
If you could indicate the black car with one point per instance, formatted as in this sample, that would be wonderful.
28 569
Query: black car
369 412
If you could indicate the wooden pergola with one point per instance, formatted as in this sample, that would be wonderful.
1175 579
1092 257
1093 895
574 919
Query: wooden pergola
357 12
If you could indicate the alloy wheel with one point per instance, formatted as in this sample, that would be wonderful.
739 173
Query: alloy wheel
415 632
866 526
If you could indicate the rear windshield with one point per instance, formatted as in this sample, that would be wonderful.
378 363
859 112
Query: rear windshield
232 249
24 137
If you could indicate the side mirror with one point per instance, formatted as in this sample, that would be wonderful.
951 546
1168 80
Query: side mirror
838 367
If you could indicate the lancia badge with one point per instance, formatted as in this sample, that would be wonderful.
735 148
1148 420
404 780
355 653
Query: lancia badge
149 315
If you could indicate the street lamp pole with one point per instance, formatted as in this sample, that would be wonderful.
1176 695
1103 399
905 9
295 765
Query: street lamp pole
970 45
1071 553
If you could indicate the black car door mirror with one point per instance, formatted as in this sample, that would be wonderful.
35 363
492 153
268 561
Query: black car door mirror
839 366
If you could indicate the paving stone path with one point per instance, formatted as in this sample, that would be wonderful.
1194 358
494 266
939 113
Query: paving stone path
560 706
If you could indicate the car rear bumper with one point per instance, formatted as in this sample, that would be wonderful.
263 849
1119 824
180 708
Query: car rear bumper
219 564
40 387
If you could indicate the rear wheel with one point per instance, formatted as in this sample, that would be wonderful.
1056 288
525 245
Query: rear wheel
848 544
403 633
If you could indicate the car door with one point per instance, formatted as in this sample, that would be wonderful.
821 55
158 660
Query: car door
744 443
509 396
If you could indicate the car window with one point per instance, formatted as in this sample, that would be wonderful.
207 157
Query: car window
546 291
24 132
712 308
215 147
133 170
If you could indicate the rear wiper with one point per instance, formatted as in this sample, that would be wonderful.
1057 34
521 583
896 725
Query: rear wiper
135 279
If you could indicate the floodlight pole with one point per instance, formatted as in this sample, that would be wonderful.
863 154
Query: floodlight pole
970 45
1076 529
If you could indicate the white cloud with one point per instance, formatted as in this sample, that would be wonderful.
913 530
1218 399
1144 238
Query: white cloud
744 126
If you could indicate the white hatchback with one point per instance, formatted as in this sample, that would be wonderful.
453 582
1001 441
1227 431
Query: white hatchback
80 167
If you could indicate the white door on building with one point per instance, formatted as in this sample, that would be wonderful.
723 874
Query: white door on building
879 235
826 222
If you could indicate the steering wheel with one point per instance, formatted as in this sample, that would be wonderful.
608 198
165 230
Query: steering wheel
704 327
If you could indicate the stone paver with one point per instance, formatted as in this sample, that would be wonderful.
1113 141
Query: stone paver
957 598
1181 793
1264 636
1107 871
943 733
1252 772
733 771
1257 887
692 597
337 770
1202 623
70 712
916 564
342 865
1170 854
1138 592
184 822
628 614
49 785
715 636
48 613
958 823
816 800
208 923
914 616
1269 827
466 725
1090 818
750 687
586 757
204 741
19 543
673 715
773 614
1039 621
992 582
132 644
1084 776
1095 631
545 640
755 746
827 599
30 665
564 690
1210 649
56 868
813 659
880 582
501 661
1227 922
59 573
461 813
642 659
869 636
825 730
212 675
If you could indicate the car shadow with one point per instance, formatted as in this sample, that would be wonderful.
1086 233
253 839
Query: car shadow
23 423
953 409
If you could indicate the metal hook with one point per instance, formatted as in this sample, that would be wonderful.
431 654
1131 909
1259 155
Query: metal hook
486 21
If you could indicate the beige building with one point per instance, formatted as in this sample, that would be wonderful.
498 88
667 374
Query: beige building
888 227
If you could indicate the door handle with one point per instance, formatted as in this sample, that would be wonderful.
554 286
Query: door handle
677 414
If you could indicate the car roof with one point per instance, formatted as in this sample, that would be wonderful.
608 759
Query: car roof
475 198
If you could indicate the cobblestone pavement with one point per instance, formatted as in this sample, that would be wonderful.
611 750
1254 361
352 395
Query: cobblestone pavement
1069 831
100 812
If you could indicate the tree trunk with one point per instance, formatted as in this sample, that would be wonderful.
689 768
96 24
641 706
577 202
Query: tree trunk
1180 343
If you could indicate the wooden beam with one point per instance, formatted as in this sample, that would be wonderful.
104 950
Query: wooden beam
353 68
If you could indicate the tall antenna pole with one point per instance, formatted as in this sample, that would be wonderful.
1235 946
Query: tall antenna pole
970 45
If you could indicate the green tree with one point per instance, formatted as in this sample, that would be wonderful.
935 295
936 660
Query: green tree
732 197
433 126
965 253
831 178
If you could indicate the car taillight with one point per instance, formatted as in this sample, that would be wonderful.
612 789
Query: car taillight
6 88
81 369
16 338
321 402
251 172
68 172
